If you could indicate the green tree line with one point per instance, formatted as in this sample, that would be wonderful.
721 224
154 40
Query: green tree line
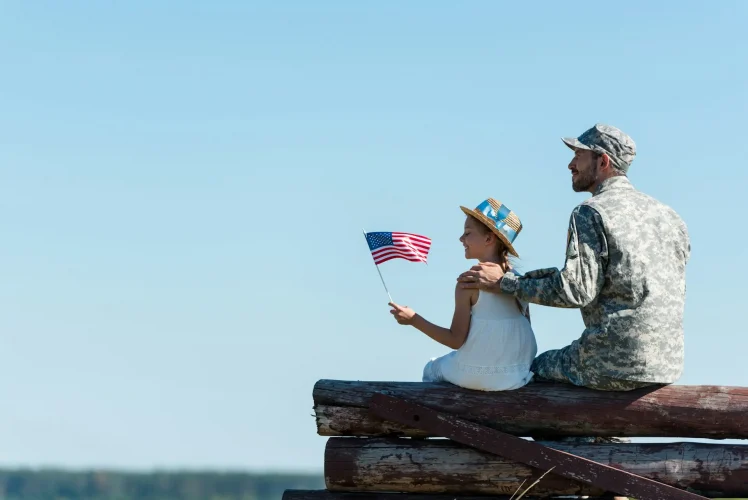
25 484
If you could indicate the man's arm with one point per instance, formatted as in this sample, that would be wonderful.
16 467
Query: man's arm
583 275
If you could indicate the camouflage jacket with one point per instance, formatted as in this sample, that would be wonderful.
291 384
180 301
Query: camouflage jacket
625 268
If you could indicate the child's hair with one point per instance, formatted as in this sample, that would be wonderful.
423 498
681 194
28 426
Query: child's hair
502 248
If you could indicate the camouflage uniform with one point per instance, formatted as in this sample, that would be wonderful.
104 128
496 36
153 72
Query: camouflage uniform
625 269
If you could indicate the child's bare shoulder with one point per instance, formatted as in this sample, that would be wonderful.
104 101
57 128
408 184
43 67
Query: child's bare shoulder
466 293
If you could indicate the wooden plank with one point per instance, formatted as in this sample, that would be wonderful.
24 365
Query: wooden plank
442 466
332 495
527 452
545 409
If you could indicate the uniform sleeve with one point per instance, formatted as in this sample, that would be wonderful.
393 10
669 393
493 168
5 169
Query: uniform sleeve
581 279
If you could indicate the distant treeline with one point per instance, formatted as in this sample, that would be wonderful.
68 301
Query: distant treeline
24 484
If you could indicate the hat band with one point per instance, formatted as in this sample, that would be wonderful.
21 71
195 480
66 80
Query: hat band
498 217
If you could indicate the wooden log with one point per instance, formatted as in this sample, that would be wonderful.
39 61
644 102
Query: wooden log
352 421
546 409
525 451
337 495
441 466
357 495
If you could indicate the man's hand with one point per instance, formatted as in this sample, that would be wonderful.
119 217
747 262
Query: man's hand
403 315
485 276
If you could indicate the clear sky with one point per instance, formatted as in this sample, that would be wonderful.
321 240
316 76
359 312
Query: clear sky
183 187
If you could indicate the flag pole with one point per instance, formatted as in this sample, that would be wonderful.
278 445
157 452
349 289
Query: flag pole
380 272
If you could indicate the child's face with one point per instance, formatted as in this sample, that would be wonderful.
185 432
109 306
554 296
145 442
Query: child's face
477 240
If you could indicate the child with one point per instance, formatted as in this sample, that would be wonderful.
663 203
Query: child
491 332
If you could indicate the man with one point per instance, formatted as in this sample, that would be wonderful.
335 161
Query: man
625 267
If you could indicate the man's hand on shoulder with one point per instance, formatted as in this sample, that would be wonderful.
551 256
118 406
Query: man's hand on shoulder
485 276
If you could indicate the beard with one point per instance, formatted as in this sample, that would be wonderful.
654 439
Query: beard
584 181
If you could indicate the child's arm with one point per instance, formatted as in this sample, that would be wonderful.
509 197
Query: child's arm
452 337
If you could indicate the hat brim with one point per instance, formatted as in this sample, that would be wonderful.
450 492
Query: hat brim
489 224
574 143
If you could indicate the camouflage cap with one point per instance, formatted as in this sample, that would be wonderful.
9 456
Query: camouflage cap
601 138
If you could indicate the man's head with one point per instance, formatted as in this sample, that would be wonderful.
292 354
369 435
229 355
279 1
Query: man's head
600 153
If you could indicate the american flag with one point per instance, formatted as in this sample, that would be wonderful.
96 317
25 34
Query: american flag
386 246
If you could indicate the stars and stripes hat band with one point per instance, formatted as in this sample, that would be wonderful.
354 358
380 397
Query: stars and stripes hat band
500 220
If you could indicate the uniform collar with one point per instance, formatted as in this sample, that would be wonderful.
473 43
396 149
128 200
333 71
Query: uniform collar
617 182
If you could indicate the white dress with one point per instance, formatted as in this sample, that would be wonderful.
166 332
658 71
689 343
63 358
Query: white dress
497 353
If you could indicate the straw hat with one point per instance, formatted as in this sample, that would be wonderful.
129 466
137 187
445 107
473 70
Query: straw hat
503 222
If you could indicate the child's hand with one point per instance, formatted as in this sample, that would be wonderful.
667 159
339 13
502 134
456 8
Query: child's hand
403 315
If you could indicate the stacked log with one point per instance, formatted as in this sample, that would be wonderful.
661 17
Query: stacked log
335 495
442 466
369 458
683 411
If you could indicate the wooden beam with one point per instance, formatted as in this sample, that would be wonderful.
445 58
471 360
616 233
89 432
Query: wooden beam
527 452
441 466
544 409
332 495
353 421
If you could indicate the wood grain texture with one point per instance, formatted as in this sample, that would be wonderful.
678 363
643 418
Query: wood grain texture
338 495
440 466
547 409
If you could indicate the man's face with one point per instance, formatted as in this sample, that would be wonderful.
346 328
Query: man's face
584 170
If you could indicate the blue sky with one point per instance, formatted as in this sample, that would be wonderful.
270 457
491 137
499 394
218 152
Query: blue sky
183 187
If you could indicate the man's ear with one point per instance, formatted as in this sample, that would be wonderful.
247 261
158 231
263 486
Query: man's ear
603 162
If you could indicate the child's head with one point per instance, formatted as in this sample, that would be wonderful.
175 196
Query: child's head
481 243
489 232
